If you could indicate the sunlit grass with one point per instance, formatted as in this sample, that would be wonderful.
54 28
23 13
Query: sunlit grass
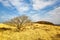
31 32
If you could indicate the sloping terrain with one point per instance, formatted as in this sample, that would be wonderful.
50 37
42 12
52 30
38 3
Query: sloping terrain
5 26
34 31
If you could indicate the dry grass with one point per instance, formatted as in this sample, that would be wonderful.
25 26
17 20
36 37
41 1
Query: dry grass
31 32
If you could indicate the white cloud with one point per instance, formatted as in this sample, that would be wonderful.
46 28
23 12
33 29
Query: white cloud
18 4
55 15
6 3
23 8
52 16
35 17
39 4
0 0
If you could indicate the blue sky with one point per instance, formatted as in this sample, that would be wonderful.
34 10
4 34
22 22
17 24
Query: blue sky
37 10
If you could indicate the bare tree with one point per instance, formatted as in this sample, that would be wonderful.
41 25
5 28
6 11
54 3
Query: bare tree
20 21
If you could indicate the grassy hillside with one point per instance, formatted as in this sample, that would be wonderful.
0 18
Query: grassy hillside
34 31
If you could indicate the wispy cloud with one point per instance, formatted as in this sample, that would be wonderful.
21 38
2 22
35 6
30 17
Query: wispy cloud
6 4
51 16
55 15
23 7
20 5
35 17
39 4
34 8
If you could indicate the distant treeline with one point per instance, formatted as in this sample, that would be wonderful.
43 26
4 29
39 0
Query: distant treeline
45 22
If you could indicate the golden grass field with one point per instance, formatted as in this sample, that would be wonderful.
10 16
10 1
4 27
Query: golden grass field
31 32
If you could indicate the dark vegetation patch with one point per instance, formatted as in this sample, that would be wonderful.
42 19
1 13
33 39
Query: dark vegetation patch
56 37
4 29
45 22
